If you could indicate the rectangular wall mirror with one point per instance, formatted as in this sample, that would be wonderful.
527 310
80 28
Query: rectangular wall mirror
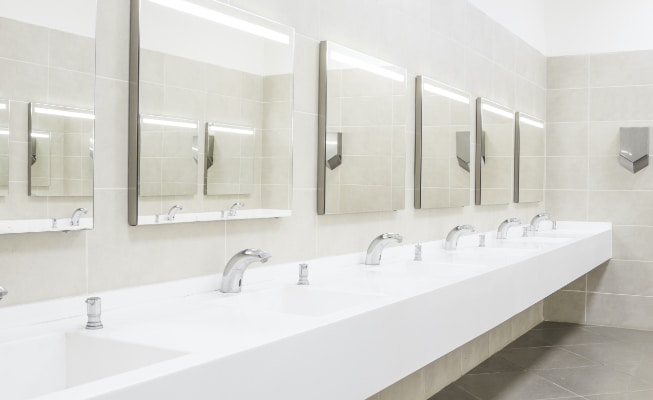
443 139
47 115
495 132
210 113
4 147
361 132
529 159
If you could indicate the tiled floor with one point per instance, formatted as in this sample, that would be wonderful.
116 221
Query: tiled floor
563 361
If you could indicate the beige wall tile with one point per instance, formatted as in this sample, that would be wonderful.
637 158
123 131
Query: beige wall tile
567 105
565 306
621 103
632 242
409 388
608 174
567 139
441 372
622 277
622 69
566 173
623 311
23 42
621 207
475 352
567 72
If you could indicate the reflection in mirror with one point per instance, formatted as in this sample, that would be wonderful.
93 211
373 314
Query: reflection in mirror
362 123
60 162
4 147
230 159
443 131
47 59
495 127
234 89
529 159
168 156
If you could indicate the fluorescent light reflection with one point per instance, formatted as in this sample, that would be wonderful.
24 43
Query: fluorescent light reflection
497 111
358 63
531 122
166 122
227 129
63 113
4 133
3 106
39 135
224 19
443 92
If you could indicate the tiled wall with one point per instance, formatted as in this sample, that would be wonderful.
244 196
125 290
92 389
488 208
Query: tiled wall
588 99
447 40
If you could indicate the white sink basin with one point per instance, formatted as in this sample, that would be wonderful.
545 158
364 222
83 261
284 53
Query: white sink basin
41 365
299 300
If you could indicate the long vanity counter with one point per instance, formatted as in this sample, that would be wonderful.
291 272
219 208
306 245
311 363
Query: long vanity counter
350 333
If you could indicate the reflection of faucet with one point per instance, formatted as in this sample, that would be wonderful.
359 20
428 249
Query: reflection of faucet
3 292
77 214
537 220
231 212
173 211
502 232
232 276
451 242
375 249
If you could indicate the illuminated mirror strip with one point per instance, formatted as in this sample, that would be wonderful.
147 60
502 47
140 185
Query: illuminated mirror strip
224 19
228 129
357 63
167 122
531 122
443 92
4 133
40 135
63 113
3 106
498 111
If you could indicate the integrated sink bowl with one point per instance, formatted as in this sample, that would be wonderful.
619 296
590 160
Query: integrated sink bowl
300 300
45 364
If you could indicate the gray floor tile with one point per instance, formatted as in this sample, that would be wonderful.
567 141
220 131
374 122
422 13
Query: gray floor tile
622 335
545 358
611 353
453 392
641 370
646 395
594 380
495 364
528 339
511 386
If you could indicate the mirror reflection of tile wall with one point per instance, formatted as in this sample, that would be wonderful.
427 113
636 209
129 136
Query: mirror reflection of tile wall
495 156
531 159
446 138
51 61
370 111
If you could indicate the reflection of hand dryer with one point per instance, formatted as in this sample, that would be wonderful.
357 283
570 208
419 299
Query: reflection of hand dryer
333 149
463 154
32 151
634 148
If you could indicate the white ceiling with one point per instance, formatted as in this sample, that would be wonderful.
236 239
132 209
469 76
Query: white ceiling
565 27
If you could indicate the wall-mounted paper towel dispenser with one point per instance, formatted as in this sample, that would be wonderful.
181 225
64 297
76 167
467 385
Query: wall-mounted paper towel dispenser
633 148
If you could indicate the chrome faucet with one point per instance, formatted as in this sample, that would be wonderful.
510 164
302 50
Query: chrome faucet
77 214
172 212
94 313
232 276
3 292
231 212
375 249
537 220
451 242
502 232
